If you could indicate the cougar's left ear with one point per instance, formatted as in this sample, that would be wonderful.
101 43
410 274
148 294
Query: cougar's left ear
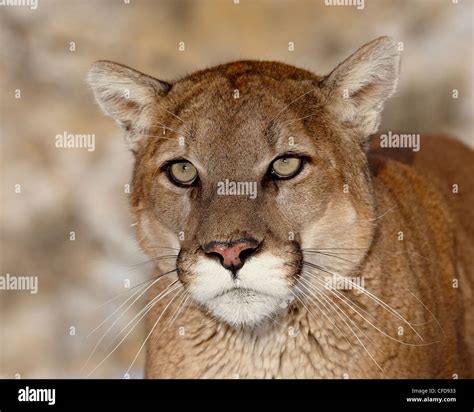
125 95
358 87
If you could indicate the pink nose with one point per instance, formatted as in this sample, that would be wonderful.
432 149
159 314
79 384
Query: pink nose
232 255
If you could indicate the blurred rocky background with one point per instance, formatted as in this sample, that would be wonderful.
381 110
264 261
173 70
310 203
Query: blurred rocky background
45 55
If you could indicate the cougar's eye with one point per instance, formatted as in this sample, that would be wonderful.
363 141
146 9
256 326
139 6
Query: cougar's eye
182 173
286 167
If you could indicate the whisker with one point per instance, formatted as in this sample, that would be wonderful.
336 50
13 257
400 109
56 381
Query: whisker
174 115
330 255
181 305
300 118
127 291
144 311
429 311
212 321
289 104
414 253
337 294
350 328
336 309
162 247
153 259
111 352
309 287
119 317
333 290
157 137
383 214
414 324
272 318
123 293
367 293
97 327
152 329
334 248
319 308
162 125
423 257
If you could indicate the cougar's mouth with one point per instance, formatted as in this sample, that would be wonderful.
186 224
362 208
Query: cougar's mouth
241 292
245 307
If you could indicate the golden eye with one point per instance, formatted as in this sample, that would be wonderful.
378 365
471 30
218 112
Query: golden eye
286 167
183 173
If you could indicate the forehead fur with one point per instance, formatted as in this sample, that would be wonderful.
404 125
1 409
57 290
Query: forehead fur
261 85
237 70
211 116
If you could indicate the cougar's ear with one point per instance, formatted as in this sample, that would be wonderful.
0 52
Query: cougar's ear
126 95
358 87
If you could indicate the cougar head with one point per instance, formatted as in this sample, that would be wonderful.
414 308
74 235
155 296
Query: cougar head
254 171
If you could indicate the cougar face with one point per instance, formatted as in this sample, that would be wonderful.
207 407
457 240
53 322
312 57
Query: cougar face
244 168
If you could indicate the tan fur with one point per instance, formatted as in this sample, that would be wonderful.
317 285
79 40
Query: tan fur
416 325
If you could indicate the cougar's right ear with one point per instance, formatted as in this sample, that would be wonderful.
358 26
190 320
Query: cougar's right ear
125 94
358 87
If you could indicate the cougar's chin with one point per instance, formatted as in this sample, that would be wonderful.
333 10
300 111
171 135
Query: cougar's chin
244 307
261 289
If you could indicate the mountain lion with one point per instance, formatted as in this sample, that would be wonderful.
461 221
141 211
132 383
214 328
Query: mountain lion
288 241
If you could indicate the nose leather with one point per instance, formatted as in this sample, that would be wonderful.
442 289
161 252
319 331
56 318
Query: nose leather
232 255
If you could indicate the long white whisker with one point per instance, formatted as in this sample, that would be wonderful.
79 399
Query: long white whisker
158 137
323 312
151 331
350 328
162 125
118 296
144 311
300 118
174 115
333 290
383 214
110 353
312 288
289 104
350 304
367 293
154 280
272 318
154 259
429 311
94 349
178 310
331 255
